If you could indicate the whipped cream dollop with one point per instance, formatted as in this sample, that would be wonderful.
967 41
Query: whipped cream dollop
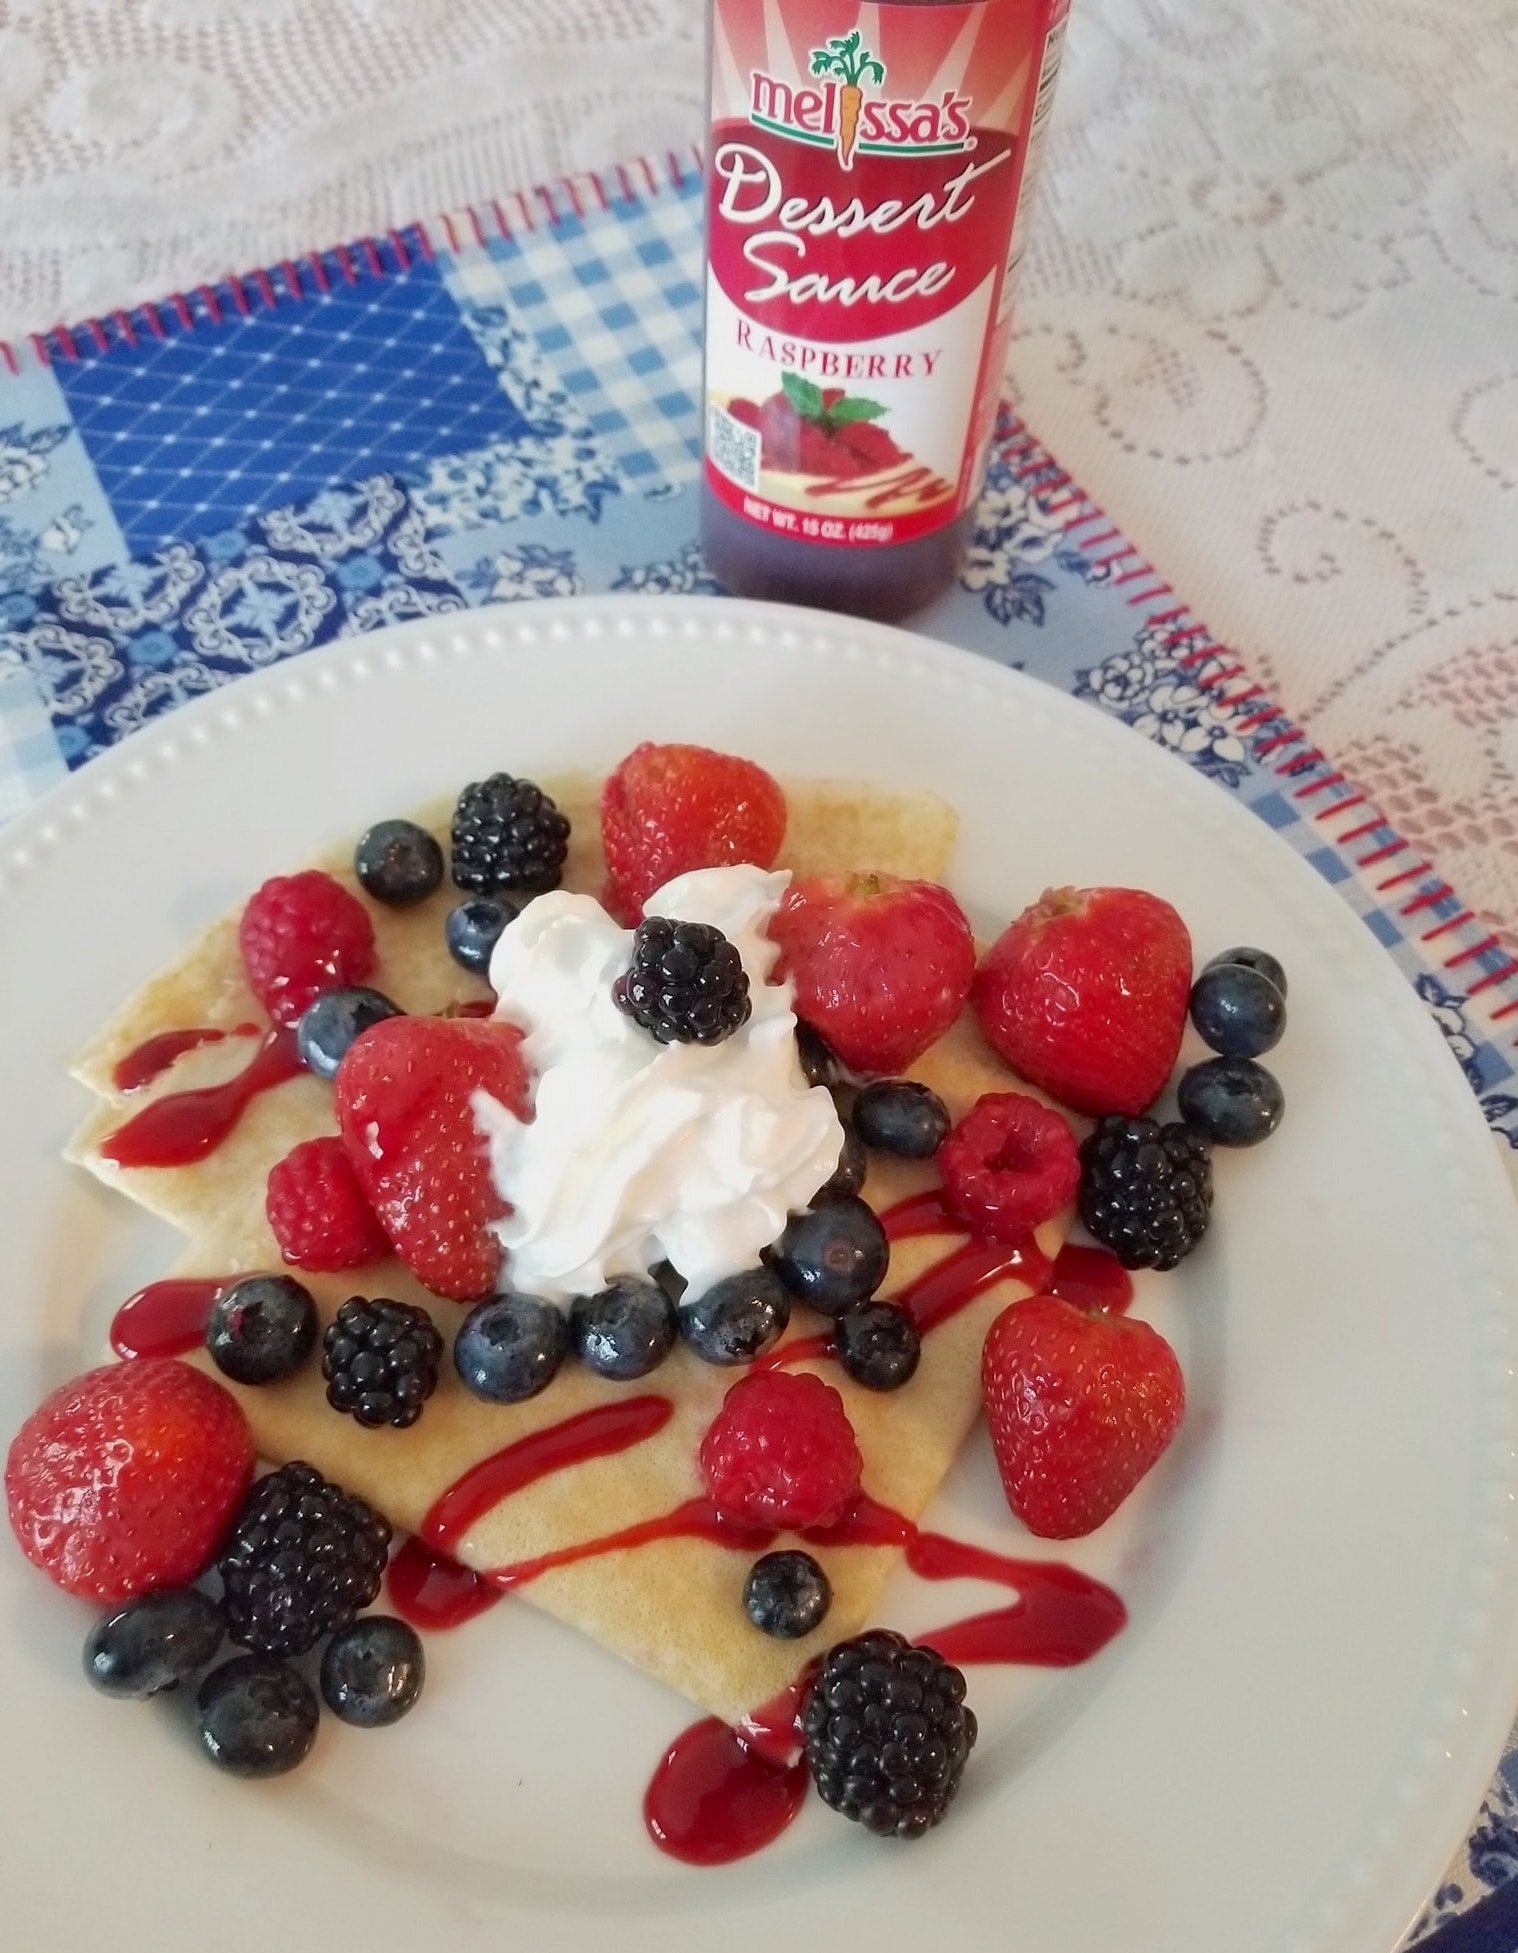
640 1152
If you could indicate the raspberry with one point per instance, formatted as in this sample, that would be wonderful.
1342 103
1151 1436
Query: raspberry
124 1480
1009 1164
302 935
318 1211
781 1452
669 809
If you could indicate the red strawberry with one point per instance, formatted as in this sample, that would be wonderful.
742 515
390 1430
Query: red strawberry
302 935
1085 995
126 1478
781 1452
404 1094
318 1211
1009 1164
1080 1404
669 809
882 966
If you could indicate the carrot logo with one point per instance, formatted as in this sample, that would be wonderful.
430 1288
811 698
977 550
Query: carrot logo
851 63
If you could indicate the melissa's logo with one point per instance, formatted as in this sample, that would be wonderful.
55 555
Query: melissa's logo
839 115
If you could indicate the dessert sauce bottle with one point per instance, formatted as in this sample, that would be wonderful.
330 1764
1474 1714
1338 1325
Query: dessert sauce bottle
869 170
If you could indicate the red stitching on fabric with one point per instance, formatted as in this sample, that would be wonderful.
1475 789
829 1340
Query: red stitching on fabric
128 332
1101 562
1168 616
546 197
159 329
318 266
574 199
1317 786
1063 502
371 256
1381 854
1339 807
265 289
1354 833
648 174
39 346
208 298
181 310
1475 949
345 261
526 209
293 287
502 227
1427 900
450 233
600 189
1255 718
1404 875
70 344
398 246
8 356
1505 1010
1300 762
674 168
1276 741
1492 976
239 296
1455 922
628 194
1143 596
1210 678
424 239
97 333
475 225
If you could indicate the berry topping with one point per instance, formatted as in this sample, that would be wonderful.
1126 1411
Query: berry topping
1010 1164
686 985
474 928
1080 1404
736 1319
882 966
787 1595
819 1065
878 1345
1237 1011
154 1643
1085 995
626 1330
257 1717
853 1163
834 1256
781 1452
262 1329
669 809
1231 1101
1146 1190
510 1348
405 1107
318 1212
301 935
508 834
303 1558
372 1671
124 1479
398 863
897 1115
380 1360
888 1734
1261 960
330 1025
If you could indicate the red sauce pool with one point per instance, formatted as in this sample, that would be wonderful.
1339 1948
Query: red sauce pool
151 1058
185 1126
713 1799
1091 1277
166 1318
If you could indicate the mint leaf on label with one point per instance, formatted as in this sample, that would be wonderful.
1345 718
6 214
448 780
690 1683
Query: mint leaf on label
803 395
855 409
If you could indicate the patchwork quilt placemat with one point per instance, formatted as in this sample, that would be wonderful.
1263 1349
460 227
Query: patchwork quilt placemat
504 404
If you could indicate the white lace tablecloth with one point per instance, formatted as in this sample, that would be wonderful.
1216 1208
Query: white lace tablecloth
1269 316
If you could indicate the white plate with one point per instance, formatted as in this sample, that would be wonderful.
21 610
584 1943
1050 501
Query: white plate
1282 1751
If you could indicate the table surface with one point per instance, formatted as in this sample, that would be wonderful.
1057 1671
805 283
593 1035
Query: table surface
1269 315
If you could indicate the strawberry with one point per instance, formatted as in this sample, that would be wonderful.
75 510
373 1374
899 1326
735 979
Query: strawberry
1085 995
1080 1404
882 966
125 1479
668 809
301 935
317 1210
404 1093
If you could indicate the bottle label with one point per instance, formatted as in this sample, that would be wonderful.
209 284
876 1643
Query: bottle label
869 169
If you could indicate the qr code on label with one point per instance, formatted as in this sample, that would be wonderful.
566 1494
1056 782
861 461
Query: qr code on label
733 447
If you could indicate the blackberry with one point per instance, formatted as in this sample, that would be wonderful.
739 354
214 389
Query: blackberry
302 1559
380 1360
687 983
1146 1189
507 834
887 1733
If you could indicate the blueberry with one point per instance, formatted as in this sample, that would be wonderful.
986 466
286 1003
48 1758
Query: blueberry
372 1671
787 1595
398 863
1237 1011
262 1330
833 1256
330 1025
155 1642
848 1175
626 1330
878 1345
257 1717
817 1058
1252 959
474 928
1232 1101
737 1318
897 1115
510 1347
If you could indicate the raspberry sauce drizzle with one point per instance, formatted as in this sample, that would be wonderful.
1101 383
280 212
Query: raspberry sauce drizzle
166 1318
1090 1277
151 1058
713 1799
185 1126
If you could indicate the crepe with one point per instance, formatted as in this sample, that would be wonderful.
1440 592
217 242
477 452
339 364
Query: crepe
674 1606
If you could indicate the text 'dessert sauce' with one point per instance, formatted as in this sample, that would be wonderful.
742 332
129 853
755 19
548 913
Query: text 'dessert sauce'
869 170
